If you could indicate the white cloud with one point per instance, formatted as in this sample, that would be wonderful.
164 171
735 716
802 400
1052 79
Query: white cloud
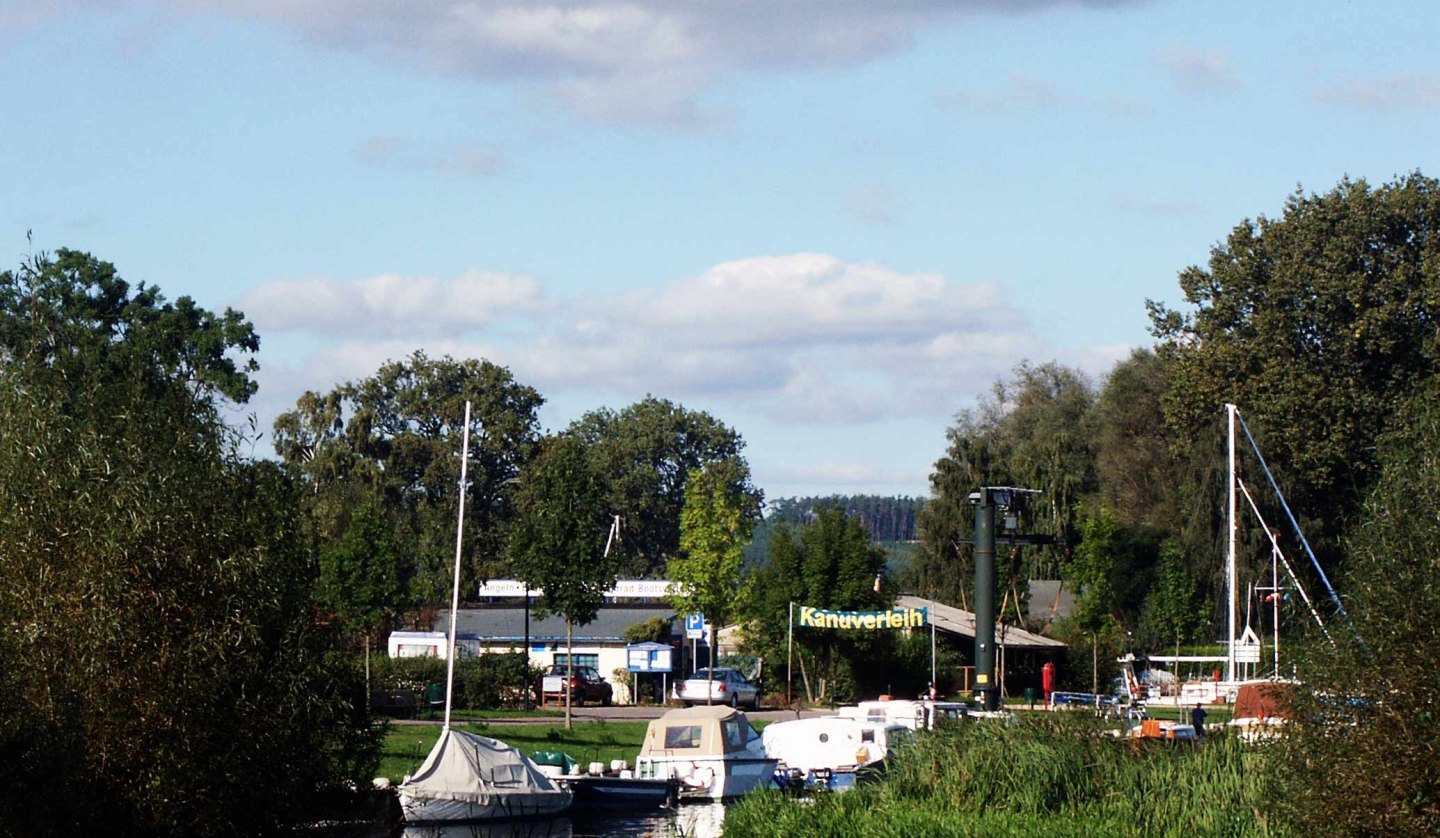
1199 72
391 304
804 341
804 337
839 478
617 60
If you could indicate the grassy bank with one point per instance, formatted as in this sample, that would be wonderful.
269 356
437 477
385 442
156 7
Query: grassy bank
1052 775
407 745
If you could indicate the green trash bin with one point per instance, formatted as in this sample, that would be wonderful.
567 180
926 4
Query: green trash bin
1030 695
435 696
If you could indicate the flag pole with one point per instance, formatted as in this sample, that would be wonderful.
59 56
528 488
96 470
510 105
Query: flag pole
789 653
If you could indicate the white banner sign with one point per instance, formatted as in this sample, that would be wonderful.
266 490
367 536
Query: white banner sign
624 589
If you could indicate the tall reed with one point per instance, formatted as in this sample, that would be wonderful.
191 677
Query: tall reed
1038 776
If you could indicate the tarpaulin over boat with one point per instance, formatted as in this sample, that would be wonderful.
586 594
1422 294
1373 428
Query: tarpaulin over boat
491 780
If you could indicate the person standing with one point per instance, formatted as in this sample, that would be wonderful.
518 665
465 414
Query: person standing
1197 719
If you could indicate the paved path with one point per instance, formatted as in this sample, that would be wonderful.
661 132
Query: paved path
618 713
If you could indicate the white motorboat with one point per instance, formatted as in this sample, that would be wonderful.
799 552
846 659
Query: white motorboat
829 751
923 714
713 752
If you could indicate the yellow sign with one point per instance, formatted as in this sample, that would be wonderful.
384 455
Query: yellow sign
896 618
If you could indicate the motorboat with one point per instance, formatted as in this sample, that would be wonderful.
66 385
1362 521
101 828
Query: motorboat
712 751
829 751
923 714
602 787
468 777
1262 709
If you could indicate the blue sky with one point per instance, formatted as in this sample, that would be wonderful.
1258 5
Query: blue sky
831 224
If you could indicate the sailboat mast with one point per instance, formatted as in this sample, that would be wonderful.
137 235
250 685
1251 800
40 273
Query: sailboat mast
455 586
1230 573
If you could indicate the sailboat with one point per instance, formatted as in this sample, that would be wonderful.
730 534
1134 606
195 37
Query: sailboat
467 777
1243 645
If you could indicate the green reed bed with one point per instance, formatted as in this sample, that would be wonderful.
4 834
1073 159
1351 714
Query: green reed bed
1050 775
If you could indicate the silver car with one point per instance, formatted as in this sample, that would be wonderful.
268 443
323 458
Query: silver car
718 686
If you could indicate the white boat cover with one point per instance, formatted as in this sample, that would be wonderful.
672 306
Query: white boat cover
491 780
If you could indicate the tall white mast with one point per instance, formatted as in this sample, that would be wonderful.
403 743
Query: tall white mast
1230 573
455 587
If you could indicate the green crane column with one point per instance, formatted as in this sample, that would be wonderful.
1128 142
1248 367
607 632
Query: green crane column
985 602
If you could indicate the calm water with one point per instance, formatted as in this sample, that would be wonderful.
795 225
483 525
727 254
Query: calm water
691 820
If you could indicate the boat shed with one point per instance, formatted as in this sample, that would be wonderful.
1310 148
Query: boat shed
1022 653
961 623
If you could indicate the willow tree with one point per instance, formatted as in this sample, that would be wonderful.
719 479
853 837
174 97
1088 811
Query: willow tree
158 645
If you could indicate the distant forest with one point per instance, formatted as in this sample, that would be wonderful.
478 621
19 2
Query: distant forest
885 518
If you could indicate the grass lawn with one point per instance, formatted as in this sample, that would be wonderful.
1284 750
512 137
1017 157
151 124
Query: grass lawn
591 741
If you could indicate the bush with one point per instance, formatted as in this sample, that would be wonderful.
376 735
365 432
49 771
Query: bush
487 682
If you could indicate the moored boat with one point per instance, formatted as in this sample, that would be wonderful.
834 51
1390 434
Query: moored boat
924 714
712 752
829 751
474 778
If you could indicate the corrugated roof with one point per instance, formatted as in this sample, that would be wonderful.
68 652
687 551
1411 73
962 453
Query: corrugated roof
957 621
507 623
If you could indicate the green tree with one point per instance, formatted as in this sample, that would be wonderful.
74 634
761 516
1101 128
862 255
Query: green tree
1135 470
719 514
1034 432
829 563
558 543
1318 324
1365 759
646 452
158 649
394 434
1091 572
1172 611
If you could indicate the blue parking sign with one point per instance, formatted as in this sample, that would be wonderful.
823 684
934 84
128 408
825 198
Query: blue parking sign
694 626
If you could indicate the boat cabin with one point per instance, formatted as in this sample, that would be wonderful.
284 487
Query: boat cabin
915 715
699 730
711 750
836 743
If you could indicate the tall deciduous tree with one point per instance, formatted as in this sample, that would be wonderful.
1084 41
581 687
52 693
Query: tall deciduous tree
1317 324
1172 610
720 513
393 434
646 452
559 538
1033 432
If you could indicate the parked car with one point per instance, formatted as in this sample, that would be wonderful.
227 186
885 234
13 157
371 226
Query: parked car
718 686
586 685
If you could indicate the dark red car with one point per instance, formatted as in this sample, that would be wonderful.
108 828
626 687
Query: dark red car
585 686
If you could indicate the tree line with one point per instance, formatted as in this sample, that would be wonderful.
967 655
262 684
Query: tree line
165 592
885 517
1323 326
